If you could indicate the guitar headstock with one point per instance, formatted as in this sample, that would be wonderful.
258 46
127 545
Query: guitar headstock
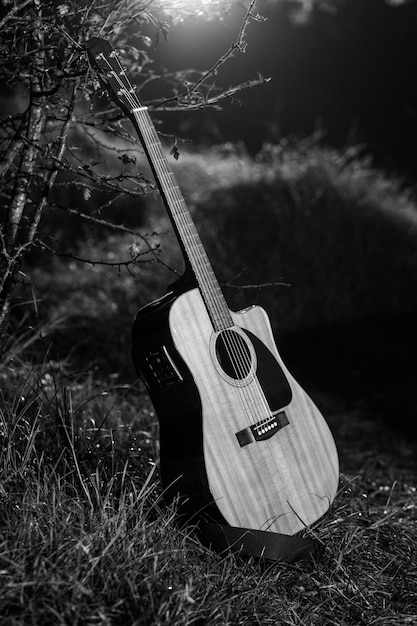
104 59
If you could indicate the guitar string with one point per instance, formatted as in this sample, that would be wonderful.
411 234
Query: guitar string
238 358
206 274
208 284
132 101
240 362
235 353
187 229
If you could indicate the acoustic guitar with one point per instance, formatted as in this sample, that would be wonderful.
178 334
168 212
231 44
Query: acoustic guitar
240 439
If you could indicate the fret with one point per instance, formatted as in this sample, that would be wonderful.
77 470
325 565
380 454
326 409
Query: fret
182 212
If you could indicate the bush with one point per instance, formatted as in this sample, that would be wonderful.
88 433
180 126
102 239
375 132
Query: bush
340 236
322 239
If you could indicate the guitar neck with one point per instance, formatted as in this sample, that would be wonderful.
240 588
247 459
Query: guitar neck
192 248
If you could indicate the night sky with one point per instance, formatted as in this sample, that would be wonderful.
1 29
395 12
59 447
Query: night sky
350 75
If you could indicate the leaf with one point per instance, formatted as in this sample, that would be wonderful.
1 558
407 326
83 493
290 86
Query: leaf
174 151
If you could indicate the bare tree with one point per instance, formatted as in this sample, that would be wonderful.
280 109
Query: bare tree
51 89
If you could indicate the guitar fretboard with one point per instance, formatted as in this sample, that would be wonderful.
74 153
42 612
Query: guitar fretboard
182 221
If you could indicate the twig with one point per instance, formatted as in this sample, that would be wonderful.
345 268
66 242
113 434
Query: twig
13 11
238 45
258 285
62 140
14 148
34 130
101 222
213 102
119 264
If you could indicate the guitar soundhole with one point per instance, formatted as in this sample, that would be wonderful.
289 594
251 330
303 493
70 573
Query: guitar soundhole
233 354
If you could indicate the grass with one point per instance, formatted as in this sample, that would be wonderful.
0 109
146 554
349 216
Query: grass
85 536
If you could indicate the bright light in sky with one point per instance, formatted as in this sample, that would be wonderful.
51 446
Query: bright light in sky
208 8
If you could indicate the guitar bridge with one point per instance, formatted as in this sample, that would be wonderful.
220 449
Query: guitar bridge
263 429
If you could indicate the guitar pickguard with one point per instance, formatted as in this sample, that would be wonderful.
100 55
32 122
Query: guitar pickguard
270 375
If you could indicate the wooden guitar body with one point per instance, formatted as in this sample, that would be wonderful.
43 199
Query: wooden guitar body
252 450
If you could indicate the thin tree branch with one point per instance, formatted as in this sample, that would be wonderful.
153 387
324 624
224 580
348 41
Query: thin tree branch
24 175
214 100
12 152
13 12
258 285
100 222
238 45
33 135
119 264
62 140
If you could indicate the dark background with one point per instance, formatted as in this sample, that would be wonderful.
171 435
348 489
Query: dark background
348 76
